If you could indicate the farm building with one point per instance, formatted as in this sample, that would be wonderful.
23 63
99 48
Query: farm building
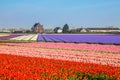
58 30
98 30
37 28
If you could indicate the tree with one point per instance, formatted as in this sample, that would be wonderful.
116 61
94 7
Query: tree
66 28
28 31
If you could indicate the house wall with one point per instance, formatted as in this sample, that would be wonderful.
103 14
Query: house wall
39 29
59 31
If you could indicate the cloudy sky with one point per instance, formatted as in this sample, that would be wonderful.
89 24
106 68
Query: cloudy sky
54 13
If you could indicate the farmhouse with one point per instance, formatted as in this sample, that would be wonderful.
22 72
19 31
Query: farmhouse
37 28
58 30
82 30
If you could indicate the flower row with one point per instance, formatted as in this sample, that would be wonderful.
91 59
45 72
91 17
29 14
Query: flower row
24 68
3 34
72 38
90 47
32 37
8 37
81 38
62 54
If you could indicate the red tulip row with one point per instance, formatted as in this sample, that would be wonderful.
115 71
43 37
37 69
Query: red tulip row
26 68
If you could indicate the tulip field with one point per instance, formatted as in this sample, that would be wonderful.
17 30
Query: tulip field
58 61
81 38
67 38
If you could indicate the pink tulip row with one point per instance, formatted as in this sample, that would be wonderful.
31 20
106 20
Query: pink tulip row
93 47
87 57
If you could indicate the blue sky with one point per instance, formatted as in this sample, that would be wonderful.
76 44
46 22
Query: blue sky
54 13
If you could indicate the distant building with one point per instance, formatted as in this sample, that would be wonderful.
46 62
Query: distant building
38 28
73 30
58 30
98 30
82 30
103 29
5 30
49 30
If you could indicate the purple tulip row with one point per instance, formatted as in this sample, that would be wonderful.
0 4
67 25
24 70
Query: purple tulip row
89 38
9 36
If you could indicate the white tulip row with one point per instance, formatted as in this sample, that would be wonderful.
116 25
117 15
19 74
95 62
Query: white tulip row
2 34
34 38
30 37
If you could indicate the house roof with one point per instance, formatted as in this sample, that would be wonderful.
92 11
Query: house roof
37 24
79 29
